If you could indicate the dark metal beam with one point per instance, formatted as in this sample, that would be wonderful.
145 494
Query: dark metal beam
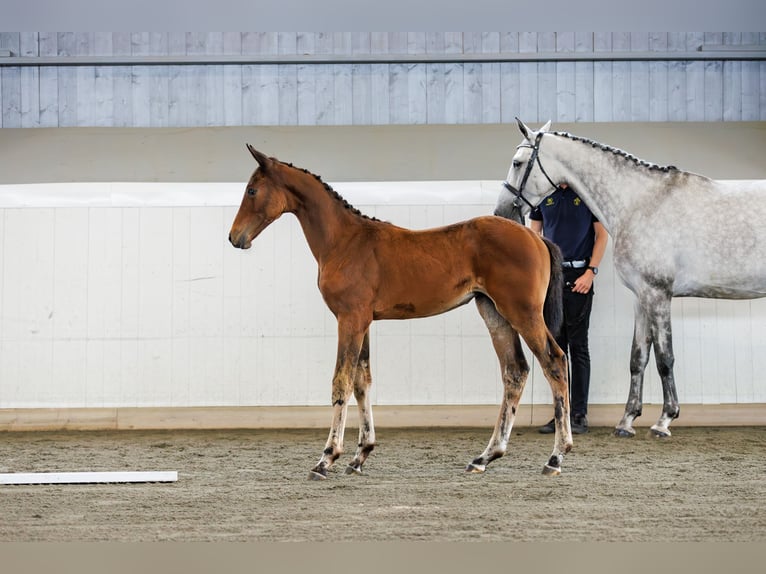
706 53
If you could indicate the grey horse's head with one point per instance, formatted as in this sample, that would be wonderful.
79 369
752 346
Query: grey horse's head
512 203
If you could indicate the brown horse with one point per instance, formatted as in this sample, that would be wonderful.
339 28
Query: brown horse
370 270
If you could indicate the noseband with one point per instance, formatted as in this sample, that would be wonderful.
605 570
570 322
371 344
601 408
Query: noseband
535 157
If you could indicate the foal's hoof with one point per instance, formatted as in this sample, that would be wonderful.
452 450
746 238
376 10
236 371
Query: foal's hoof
624 432
351 469
549 470
553 466
475 468
317 474
659 432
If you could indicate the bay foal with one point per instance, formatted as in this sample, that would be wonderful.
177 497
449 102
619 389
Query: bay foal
371 270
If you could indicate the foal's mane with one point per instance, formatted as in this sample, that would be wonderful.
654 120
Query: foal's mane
331 192
616 151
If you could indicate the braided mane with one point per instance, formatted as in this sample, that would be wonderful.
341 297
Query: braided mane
334 194
617 151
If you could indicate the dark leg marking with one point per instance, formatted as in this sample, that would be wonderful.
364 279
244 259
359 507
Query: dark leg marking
558 407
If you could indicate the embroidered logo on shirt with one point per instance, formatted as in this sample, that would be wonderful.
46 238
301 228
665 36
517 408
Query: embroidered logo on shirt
549 202
577 201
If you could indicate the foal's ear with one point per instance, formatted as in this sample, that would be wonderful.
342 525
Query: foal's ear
546 127
262 159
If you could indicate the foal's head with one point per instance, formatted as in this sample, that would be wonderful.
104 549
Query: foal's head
265 199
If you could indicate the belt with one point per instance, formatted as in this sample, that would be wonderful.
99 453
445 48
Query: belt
576 264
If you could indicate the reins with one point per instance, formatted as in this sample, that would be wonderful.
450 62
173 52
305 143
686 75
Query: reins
535 157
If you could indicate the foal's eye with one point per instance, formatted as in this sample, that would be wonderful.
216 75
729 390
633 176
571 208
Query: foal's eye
250 191
516 164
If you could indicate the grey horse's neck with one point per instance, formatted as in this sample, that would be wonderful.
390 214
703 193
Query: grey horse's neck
613 183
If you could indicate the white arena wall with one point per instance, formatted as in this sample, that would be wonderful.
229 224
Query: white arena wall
123 305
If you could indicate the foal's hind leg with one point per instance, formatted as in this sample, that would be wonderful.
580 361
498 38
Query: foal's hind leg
362 383
554 365
514 368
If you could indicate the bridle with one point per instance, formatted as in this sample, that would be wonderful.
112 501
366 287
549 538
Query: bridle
535 157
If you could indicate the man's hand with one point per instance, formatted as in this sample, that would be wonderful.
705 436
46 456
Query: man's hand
584 282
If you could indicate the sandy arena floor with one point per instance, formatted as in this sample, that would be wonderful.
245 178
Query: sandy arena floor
703 484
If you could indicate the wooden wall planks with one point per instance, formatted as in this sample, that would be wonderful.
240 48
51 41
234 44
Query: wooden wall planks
375 94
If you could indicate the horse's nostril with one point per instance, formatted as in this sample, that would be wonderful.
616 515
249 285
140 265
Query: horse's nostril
240 243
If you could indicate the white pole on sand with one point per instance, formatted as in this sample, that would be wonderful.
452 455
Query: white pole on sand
86 477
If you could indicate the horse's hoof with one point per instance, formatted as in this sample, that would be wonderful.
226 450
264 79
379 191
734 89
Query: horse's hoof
549 470
659 432
475 468
357 470
624 433
317 475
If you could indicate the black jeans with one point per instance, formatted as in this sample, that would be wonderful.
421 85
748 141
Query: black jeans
573 339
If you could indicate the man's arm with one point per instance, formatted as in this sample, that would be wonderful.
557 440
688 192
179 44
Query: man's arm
536 226
599 244
585 281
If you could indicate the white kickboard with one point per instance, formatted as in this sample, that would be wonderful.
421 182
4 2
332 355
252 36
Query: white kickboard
86 477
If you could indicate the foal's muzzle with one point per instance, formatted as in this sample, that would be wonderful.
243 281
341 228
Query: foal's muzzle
241 242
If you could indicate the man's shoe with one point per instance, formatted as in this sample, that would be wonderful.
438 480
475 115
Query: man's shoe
548 428
579 424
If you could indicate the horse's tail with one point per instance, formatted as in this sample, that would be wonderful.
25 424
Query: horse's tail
553 308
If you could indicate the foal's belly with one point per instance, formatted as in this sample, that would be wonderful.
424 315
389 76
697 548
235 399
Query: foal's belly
414 307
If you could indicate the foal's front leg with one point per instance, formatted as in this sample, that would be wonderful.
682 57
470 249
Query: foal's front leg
362 383
349 347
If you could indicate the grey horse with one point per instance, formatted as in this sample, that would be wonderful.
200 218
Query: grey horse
673 234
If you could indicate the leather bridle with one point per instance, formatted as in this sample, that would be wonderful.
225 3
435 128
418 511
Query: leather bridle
535 157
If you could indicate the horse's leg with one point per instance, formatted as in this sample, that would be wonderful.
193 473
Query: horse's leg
662 335
553 362
514 368
350 338
639 357
362 383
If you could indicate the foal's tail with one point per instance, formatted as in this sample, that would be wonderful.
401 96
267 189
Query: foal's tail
553 308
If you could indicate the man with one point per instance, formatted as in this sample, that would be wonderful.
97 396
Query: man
564 218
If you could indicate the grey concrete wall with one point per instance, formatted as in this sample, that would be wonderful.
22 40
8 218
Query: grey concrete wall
725 150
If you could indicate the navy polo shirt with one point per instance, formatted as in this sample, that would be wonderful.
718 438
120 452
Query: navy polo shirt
567 222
